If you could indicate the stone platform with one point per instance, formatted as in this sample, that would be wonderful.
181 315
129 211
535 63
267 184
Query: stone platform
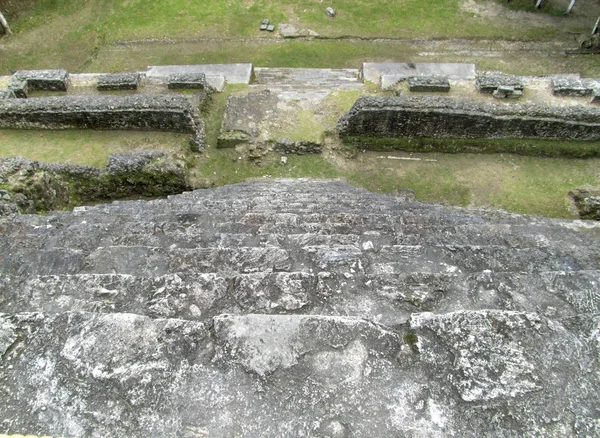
297 308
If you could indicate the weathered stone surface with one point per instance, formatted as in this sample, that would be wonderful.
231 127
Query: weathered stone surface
442 117
507 92
297 308
7 94
195 81
428 83
19 89
567 86
34 186
233 73
373 71
130 161
47 80
152 112
118 81
489 81
587 201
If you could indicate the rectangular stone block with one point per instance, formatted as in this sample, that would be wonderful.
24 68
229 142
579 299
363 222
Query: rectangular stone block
7 94
119 81
429 83
507 92
187 81
46 80
566 86
488 82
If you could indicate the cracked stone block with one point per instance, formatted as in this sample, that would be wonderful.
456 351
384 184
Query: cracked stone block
119 81
187 81
429 83
507 92
45 80
489 81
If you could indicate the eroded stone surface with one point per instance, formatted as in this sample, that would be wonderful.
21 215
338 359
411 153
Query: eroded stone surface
297 308
442 117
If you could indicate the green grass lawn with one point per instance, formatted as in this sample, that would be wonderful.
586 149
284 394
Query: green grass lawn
86 35
521 184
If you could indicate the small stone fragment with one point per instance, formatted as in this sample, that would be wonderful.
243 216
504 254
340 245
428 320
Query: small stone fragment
283 160
330 12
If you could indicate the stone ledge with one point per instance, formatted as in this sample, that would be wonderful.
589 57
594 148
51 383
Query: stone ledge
440 117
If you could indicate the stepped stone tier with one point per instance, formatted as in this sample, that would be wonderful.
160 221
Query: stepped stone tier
298 308
403 116
140 111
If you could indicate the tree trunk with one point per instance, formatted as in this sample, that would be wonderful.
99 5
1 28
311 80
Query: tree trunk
4 24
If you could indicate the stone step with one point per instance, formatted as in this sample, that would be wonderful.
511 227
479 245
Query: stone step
171 377
303 78
388 298
346 258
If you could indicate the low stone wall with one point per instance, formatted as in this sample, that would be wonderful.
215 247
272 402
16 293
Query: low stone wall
145 112
438 117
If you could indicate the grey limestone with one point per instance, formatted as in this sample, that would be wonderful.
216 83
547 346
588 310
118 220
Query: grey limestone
186 81
429 83
443 117
46 80
373 71
149 112
490 81
233 73
568 86
118 81
297 308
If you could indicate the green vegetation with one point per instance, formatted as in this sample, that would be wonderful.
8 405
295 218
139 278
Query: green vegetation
538 148
85 147
128 35
117 35
516 183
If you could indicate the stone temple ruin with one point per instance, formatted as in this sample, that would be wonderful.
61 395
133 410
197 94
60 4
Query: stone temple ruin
294 307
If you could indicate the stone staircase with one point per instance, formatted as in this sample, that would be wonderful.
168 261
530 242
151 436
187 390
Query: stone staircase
327 78
298 308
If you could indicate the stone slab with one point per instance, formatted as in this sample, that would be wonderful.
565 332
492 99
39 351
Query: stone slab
373 71
233 73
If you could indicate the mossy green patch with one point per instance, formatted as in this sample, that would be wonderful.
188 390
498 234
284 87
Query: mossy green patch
537 148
